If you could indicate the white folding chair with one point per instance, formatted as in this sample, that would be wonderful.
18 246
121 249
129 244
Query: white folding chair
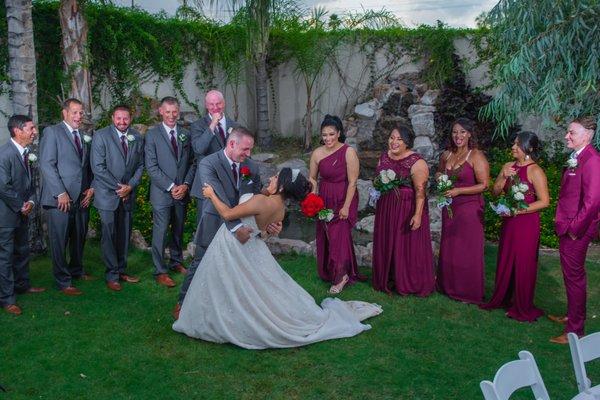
515 375
583 350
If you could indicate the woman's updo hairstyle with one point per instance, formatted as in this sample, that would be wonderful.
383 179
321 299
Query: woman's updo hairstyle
336 122
297 189
530 144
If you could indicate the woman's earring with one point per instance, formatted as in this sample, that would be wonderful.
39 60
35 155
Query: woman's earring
527 157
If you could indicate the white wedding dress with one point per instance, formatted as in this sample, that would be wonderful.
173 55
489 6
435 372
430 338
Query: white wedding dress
241 295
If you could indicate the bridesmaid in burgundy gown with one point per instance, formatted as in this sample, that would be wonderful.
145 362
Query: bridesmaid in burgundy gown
336 167
461 273
402 253
516 271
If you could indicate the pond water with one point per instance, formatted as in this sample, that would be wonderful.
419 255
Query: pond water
296 226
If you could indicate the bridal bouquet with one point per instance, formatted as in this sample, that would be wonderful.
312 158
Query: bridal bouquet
513 201
386 181
313 205
444 183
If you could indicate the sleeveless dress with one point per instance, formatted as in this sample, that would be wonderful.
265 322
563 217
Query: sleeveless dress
461 274
335 249
402 258
516 272
240 295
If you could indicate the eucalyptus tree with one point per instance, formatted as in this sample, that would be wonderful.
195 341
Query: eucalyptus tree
544 59
74 30
22 74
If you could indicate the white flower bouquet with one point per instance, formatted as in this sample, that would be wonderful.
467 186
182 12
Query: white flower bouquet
443 184
386 181
513 201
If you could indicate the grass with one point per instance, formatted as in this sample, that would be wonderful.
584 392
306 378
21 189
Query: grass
106 345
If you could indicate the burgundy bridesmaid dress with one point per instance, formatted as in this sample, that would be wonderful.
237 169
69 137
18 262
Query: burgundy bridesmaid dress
335 250
402 258
516 272
461 270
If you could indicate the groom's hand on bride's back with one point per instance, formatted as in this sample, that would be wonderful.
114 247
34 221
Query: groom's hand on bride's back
274 228
243 234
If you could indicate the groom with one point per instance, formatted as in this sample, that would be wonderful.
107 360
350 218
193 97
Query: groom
231 173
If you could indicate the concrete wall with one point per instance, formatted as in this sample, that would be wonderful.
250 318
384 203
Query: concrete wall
336 91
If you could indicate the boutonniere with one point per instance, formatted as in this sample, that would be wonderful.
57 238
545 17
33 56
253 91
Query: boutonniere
182 137
245 172
87 139
571 163
31 157
130 138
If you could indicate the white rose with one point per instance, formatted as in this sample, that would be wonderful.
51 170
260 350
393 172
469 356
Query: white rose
391 174
384 178
519 196
130 138
443 178
523 187
32 157
572 162
87 138
514 188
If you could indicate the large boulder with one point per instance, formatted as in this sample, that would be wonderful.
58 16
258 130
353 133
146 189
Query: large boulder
137 240
430 97
363 186
294 163
364 255
264 157
284 246
366 110
367 224
266 170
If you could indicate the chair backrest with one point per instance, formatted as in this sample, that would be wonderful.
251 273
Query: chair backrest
583 350
515 375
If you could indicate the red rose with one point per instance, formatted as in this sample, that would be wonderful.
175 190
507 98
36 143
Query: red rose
311 205
245 170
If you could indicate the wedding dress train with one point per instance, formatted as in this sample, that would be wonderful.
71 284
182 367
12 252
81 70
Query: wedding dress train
240 294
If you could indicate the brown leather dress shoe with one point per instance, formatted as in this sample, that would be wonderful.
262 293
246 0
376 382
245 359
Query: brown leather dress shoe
71 291
179 269
35 290
176 311
13 309
561 339
116 286
129 278
558 319
165 280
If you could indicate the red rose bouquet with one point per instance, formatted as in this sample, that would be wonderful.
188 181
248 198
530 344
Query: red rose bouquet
314 206
245 172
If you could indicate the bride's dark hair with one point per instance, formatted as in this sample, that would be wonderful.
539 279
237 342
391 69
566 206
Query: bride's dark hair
297 190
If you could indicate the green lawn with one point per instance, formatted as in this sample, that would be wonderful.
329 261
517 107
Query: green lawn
106 345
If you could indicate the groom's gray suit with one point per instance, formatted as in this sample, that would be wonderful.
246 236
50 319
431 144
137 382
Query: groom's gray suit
63 170
15 189
166 168
216 170
111 167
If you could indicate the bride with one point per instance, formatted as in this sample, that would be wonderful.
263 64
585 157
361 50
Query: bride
241 295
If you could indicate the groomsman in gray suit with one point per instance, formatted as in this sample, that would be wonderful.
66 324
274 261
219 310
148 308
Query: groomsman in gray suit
66 193
170 164
231 173
117 163
209 135
16 203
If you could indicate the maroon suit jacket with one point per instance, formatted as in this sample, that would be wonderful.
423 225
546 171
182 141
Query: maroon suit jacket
578 208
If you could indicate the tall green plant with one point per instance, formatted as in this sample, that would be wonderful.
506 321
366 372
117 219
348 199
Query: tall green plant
545 60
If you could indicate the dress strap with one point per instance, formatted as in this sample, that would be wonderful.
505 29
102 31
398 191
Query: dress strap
468 154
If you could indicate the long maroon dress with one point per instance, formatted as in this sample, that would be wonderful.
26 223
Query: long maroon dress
516 272
335 250
402 258
461 273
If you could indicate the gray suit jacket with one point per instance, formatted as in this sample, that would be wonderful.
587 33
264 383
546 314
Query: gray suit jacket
15 185
216 171
61 168
164 167
111 168
206 142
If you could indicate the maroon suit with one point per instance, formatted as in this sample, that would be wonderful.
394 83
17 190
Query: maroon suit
578 214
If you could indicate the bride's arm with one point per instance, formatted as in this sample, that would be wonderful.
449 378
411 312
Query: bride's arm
250 207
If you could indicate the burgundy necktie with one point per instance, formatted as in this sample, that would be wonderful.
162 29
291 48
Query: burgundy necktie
221 132
77 143
124 145
173 142
235 174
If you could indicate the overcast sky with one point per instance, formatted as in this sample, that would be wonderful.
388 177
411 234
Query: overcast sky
458 13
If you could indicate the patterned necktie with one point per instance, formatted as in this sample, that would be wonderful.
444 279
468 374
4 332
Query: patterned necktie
173 142
78 144
124 145
26 159
235 173
221 132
